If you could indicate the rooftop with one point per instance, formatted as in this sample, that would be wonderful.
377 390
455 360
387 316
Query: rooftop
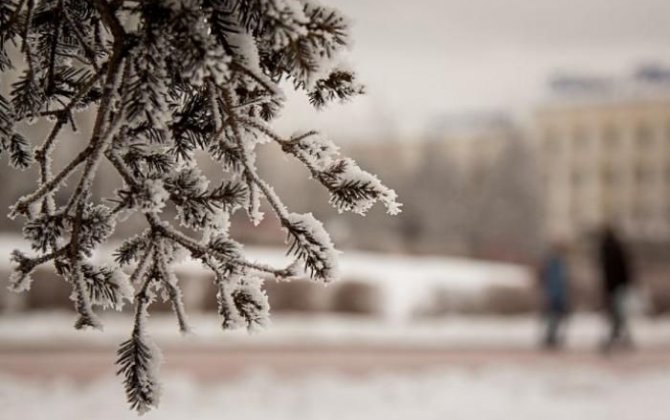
647 83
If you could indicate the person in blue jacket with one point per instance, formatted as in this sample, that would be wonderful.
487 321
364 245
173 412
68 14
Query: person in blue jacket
554 285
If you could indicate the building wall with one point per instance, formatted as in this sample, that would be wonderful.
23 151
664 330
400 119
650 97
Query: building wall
607 162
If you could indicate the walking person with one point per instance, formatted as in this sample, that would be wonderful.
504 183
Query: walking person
616 277
554 284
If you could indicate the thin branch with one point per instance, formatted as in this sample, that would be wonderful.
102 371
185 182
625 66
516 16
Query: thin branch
13 18
270 87
269 194
199 249
27 23
142 265
109 18
97 146
174 293
87 318
39 260
99 139
90 54
52 53
42 153
250 122
42 156
142 298
86 88
25 46
164 229
301 137
23 204
285 144
251 102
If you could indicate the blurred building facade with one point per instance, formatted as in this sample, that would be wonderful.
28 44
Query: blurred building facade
604 150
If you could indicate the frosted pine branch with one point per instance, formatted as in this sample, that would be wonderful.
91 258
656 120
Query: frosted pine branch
163 81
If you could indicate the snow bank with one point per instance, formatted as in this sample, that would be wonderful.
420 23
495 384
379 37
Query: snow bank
405 282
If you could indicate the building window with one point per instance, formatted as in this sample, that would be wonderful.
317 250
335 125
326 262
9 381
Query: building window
580 140
643 136
575 209
551 142
577 178
611 137
641 174
609 176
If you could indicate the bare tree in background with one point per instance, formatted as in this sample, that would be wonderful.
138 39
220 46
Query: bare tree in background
503 216
431 217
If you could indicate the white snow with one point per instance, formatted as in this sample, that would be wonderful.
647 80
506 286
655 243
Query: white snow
387 196
19 282
154 196
254 207
253 316
554 388
246 47
405 282
316 150
315 241
320 155
584 332
505 392
122 282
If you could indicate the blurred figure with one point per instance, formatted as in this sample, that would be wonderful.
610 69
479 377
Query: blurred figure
616 280
554 283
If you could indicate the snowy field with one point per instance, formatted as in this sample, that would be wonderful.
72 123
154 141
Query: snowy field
319 369
584 331
324 367
497 393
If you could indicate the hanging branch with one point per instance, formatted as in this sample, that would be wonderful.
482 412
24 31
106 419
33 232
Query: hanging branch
169 282
138 357
163 81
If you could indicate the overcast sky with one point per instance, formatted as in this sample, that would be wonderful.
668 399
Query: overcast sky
424 58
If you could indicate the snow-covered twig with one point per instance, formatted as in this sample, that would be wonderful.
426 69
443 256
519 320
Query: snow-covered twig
165 80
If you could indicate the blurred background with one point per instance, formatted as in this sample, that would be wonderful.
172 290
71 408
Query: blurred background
506 128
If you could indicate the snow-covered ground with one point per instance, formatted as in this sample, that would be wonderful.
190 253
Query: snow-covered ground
400 367
497 393
583 331
474 368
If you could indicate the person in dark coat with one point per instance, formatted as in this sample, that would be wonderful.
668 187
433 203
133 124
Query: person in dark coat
616 280
554 284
